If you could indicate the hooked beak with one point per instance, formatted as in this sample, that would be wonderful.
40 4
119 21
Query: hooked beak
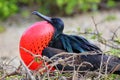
42 16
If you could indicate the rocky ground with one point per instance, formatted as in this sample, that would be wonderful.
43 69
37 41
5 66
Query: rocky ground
16 25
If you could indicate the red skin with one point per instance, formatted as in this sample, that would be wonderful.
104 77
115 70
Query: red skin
35 39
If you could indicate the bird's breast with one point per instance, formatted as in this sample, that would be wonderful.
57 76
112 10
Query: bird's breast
33 41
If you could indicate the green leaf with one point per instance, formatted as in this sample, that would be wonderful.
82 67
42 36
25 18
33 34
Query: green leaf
60 2
111 3
70 6
94 7
85 7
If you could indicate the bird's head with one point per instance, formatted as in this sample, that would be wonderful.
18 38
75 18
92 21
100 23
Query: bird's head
37 37
56 22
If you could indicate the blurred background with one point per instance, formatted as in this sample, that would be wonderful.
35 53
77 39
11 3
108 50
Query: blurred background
15 17
56 7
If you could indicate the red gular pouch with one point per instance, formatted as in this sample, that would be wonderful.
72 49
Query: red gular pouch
33 42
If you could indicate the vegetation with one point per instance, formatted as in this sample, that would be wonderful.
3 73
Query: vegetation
56 7
22 73
7 8
64 7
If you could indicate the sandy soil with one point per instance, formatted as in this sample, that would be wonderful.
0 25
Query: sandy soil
9 40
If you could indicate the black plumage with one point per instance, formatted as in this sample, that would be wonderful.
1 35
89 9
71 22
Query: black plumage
72 43
69 43
90 61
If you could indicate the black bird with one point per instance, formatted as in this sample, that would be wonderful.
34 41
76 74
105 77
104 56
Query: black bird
93 61
36 38
69 43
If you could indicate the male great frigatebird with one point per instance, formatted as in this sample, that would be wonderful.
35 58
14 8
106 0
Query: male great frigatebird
69 43
49 33
46 38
